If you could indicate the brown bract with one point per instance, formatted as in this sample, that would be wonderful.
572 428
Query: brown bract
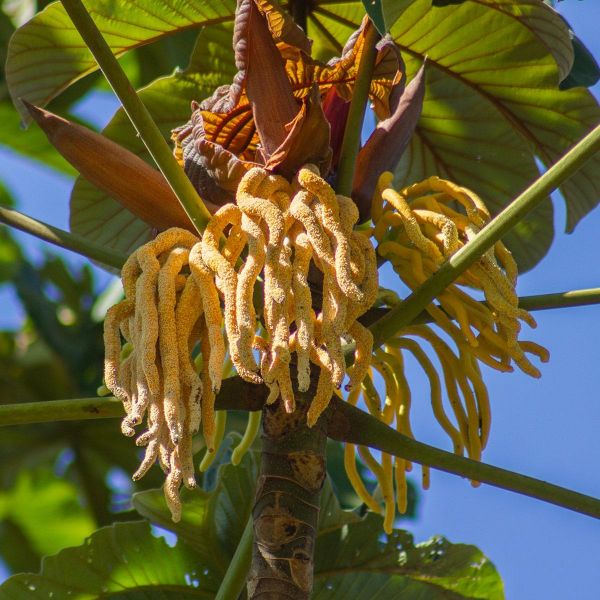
113 169
272 114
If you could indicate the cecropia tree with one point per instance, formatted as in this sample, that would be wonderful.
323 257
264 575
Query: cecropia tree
252 283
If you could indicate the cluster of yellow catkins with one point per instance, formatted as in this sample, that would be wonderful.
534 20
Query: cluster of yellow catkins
192 301
182 291
417 229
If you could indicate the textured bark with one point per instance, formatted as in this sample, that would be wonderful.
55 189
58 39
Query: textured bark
286 510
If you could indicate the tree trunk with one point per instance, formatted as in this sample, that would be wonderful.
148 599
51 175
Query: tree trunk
286 511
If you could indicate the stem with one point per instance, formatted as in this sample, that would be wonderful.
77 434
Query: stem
58 237
350 424
356 114
235 578
407 310
286 509
138 114
346 424
585 297
23 413
235 394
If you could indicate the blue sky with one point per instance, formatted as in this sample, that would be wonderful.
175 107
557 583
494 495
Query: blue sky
545 428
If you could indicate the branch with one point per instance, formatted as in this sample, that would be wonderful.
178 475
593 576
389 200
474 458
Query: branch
409 309
235 394
138 114
350 424
58 237
586 297
356 114
346 424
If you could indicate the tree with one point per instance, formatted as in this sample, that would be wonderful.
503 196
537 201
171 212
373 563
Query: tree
503 113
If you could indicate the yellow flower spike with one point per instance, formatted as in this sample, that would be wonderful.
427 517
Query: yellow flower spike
188 311
426 477
171 491
476 210
384 476
356 481
370 281
227 282
250 433
471 368
129 274
532 348
394 252
448 230
436 395
147 316
260 208
212 316
168 344
458 310
246 315
411 225
112 344
332 319
303 308
387 487
329 213
384 181
301 211
235 242
150 457
185 462
165 450
371 396
324 393
363 339
208 394
211 451
395 359
453 377
280 312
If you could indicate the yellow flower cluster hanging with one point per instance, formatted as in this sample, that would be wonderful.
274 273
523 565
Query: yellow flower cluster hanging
417 229
182 291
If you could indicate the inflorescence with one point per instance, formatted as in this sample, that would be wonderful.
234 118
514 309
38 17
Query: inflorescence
187 298
282 271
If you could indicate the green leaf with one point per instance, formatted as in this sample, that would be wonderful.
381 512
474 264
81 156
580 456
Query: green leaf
47 54
585 71
103 220
40 497
353 559
121 561
384 13
492 106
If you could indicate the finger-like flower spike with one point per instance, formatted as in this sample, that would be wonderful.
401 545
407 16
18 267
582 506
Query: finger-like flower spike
416 229
180 292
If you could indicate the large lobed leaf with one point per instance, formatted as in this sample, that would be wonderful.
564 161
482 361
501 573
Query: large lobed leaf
492 104
127 561
47 54
121 561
